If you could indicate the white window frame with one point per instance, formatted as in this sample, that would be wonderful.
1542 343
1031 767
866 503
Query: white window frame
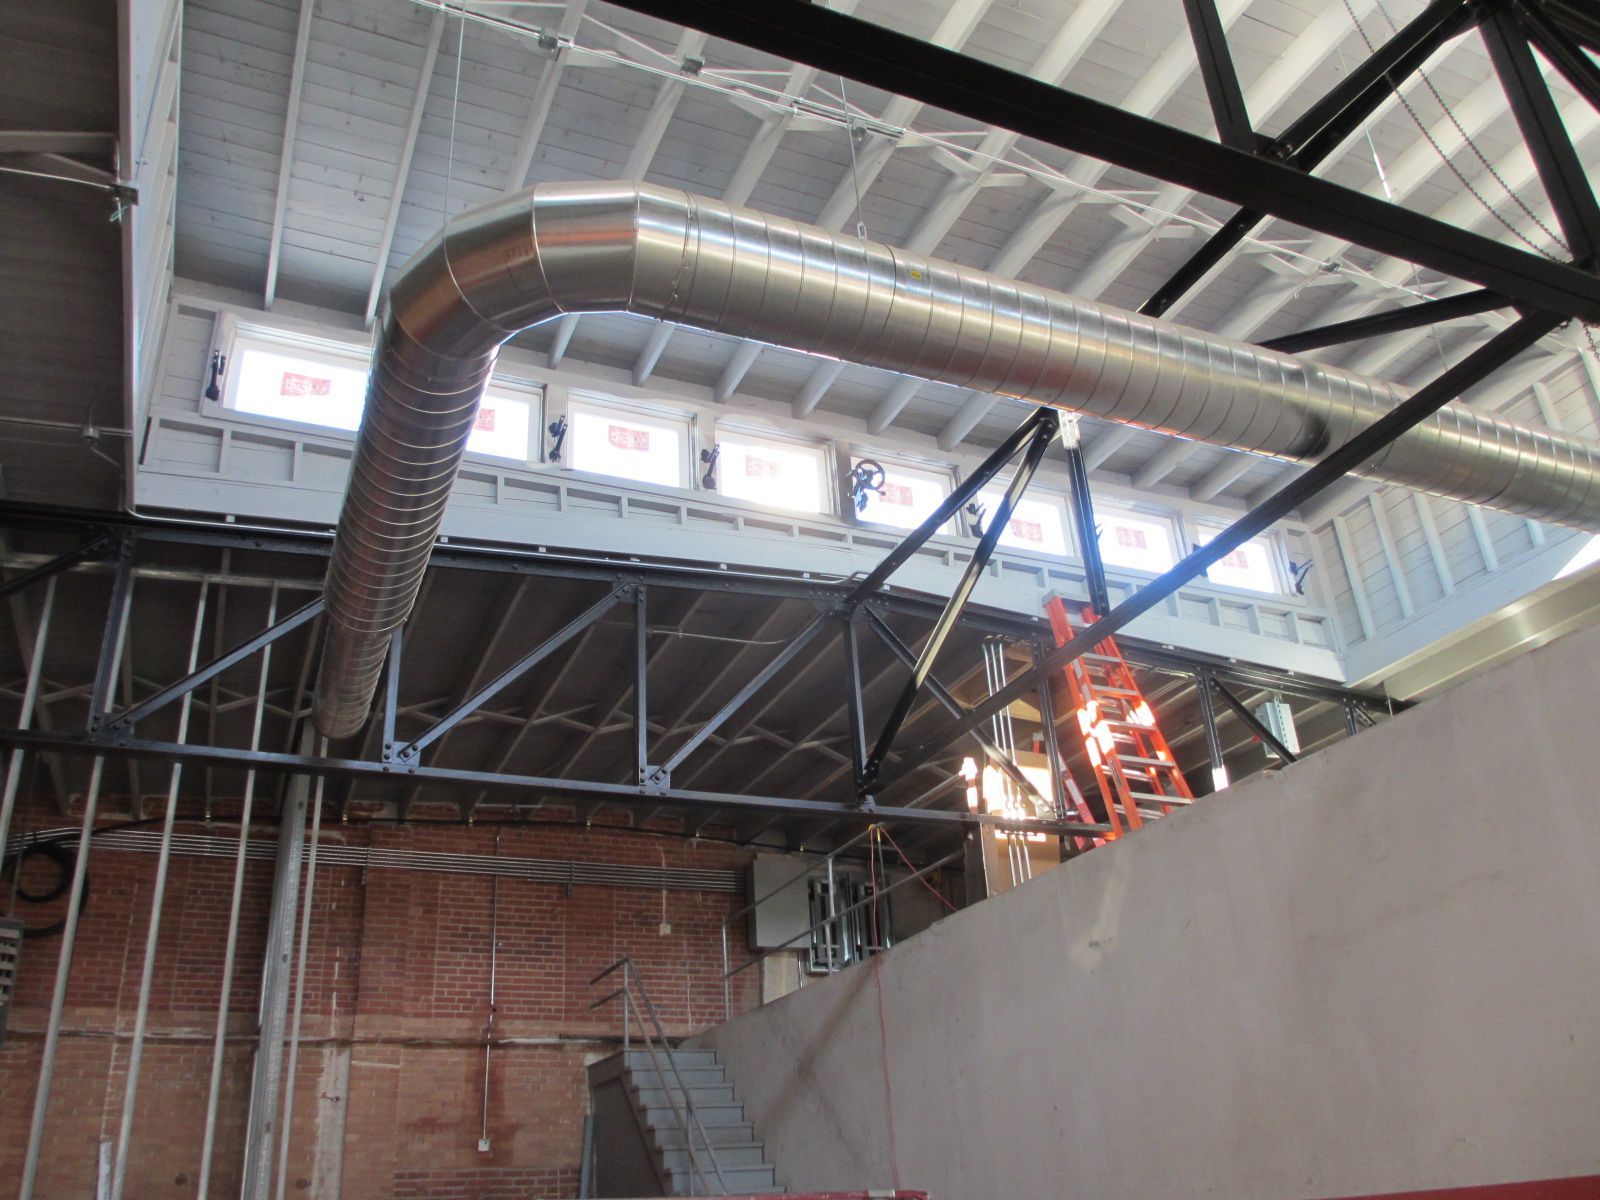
234 335
826 460
1153 516
944 471
1055 500
1277 559
661 414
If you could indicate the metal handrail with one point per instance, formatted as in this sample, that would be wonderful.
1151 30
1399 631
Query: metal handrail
630 1010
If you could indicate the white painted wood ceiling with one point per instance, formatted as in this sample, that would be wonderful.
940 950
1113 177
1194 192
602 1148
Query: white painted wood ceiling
403 114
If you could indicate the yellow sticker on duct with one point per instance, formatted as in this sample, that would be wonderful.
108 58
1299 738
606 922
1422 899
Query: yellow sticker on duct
915 274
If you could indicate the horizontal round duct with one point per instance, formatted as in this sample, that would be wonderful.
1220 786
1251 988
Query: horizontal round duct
621 247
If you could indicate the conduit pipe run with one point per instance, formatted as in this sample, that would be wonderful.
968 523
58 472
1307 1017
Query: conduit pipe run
622 247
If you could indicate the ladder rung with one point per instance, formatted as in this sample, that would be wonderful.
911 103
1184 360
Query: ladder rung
1151 796
1135 760
1114 691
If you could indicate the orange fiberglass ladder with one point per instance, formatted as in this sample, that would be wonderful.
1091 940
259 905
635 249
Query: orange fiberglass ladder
1138 777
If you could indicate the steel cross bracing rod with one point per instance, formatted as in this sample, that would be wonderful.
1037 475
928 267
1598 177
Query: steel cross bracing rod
1560 171
1411 316
1253 723
955 708
580 789
505 679
907 66
127 718
1041 429
1495 353
1317 134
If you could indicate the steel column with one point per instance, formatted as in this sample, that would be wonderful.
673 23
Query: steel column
235 907
30 698
1040 435
641 683
152 939
1208 723
111 643
261 1127
1094 567
1498 351
286 1129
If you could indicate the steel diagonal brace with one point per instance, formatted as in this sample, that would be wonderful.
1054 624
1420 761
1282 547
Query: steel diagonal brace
412 751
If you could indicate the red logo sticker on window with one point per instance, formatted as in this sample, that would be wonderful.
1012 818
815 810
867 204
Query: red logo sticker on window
897 493
762 468
1236 560
624 438
1134 539
1028 531
304 385
484 421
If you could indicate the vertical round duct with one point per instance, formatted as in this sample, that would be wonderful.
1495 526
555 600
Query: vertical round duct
619 247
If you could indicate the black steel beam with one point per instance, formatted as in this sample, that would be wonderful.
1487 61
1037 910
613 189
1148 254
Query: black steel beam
1580 20
129 717
903 65
1229 112
1094 567
1208 726
641 682
954 707
1039 441
1254 724
1495 353
1412 316
964 491
56 565
1565 182
1562 50
1322 129
322 766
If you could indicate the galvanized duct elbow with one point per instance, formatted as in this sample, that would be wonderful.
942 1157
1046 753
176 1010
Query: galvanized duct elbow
617 247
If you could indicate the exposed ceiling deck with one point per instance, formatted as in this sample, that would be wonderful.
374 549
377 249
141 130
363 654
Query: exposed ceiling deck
407 114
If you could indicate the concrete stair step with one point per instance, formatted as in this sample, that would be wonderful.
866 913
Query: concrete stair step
640 1060
668 1136
753 1154
709 1115
740 1181
700 1097
692 1077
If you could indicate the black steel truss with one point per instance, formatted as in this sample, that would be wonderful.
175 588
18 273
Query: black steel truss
115 734
1260 183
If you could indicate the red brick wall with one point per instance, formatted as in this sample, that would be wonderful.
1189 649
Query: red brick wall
389 1086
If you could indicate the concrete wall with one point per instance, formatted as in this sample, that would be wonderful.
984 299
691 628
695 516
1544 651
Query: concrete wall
1377 971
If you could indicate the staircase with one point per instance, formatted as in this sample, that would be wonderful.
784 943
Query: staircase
648 1115
1139 778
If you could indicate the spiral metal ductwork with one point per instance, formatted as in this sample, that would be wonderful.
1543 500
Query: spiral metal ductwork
619 247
